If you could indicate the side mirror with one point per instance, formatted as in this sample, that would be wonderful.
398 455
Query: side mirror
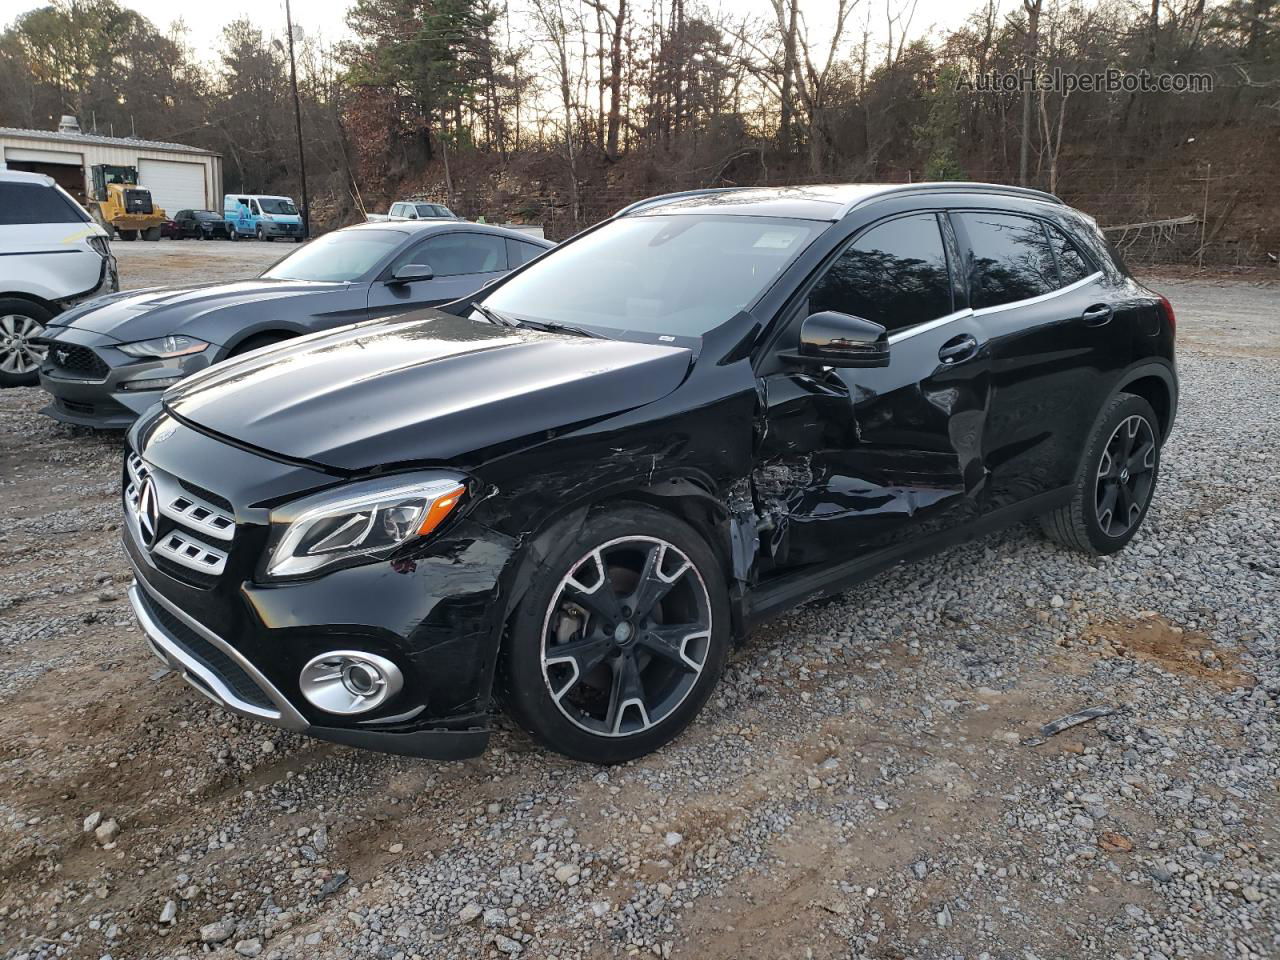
835 339
412 271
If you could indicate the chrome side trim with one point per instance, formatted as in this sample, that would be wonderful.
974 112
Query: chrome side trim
199 675
984 311
931 325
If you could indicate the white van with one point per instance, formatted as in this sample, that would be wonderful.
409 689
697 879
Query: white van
52 255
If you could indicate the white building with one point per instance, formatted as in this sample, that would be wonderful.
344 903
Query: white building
179 177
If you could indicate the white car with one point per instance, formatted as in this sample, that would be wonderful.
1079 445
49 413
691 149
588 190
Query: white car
414 210
52 255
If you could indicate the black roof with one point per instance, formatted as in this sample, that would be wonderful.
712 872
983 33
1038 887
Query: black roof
817 202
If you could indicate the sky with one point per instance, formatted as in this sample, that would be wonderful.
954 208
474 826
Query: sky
326 19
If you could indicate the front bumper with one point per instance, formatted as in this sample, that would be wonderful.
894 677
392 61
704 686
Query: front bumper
228 678
99 397
274 229
243 643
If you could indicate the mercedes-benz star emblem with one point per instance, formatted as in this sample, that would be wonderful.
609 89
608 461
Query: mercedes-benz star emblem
148 512
62 355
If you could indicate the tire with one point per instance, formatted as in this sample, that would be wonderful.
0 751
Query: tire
624 686
259 340
128 234
151 233
233 235
20 320
1113 491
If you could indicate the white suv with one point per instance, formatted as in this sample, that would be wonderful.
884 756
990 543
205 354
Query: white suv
52 255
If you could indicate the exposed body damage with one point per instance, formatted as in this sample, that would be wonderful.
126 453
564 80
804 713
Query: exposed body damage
774 475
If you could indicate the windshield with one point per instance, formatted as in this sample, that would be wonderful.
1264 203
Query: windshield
206 215
337 257
433 210
278 206
675 274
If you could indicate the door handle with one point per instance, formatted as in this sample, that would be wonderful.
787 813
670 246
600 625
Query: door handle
1097 315
958 348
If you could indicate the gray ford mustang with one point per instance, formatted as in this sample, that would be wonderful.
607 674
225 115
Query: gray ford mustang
109 359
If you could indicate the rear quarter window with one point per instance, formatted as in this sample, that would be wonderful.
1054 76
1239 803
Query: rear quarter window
1072 264
37 203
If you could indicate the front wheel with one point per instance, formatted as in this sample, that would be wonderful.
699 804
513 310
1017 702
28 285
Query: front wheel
621 639
20 323
1115 483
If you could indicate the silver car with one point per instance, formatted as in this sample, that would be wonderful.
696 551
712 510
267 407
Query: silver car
109 360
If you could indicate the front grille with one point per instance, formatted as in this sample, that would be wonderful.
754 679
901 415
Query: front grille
76 406
78 361
228 671
194 526
208 495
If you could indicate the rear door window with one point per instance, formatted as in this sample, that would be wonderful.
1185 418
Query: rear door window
36 203
520 253
895 274
1012 259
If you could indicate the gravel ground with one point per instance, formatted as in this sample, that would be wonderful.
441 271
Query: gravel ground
858 788
194 261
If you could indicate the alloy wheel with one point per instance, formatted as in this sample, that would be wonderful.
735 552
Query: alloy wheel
1126 475
18 355
626 636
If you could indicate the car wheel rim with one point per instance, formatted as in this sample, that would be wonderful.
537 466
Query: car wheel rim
1126 474
626 636
18 354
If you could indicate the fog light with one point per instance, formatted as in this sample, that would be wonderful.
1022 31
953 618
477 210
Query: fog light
348 681
155 383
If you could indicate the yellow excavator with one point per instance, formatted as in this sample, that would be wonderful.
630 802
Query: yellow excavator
121 207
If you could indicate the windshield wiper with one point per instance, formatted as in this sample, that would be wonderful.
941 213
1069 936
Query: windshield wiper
547 326
555 326
493 316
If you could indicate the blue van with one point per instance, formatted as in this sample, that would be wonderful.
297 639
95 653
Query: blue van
261 216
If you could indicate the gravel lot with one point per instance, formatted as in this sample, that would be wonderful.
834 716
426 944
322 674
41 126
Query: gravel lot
858 788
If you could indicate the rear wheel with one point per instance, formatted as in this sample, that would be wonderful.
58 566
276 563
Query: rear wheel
20 322
127 234
621 639
1116 481
151 233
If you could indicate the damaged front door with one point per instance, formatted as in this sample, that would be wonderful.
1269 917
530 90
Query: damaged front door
852 461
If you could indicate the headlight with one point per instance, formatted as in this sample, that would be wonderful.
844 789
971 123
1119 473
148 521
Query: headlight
370 520
164 347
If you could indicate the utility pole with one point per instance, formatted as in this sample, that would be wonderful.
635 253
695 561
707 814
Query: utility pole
297 122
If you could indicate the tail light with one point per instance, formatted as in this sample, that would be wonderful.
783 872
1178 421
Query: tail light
1166 308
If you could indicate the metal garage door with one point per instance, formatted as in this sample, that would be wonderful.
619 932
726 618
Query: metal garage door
174 185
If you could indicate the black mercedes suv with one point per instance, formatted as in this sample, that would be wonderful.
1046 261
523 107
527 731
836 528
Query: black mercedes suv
572 495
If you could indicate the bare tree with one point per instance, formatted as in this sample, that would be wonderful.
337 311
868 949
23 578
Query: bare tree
613 80
557 30
1032 8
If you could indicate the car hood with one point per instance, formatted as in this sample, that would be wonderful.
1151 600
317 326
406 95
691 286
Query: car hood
158 311
425 387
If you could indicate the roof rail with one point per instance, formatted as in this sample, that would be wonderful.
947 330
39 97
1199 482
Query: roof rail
678 195
951 186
